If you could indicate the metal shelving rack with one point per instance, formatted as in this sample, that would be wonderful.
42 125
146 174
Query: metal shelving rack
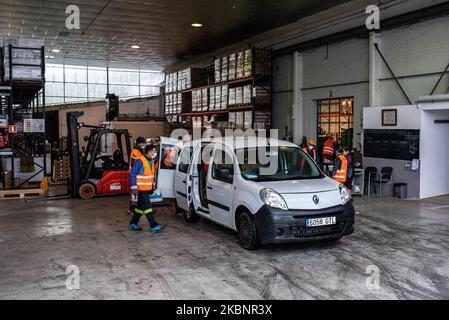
264 79
25 100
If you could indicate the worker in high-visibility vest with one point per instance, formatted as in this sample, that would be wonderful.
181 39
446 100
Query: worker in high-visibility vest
142 177
311 151
136 153
340 172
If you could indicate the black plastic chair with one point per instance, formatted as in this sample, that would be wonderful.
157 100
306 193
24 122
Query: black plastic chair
369 172
385 176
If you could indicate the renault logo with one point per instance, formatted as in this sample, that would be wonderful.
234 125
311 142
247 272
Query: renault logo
316 199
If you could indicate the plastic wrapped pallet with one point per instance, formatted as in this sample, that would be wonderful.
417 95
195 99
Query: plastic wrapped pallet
239 120
232 66
248 120
205 100
248 67
224 69
218 98
194 101
239 95
240 65
247 94
212 98
232 124
224 97
232 96
217 68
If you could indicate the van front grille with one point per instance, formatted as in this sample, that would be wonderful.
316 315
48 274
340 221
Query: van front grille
301 231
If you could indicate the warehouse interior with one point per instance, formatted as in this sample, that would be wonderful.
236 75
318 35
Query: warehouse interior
80 81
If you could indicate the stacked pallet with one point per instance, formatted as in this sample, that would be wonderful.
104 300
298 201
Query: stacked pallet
185 79
61 169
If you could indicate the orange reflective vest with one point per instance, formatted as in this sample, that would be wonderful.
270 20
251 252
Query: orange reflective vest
342 173
135 154
145 179
306 150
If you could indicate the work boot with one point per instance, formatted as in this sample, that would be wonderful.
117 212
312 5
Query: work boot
157 228
134 227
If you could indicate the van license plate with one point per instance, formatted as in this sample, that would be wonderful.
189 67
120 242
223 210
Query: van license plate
320 222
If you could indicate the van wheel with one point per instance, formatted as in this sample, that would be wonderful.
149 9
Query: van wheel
191 217
248 236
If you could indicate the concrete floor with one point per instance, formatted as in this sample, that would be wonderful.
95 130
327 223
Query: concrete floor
408 241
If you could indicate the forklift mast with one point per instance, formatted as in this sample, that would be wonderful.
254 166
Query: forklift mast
73 148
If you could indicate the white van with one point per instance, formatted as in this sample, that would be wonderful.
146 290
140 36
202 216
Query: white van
214 179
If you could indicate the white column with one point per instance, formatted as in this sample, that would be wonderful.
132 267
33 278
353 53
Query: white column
375 64
298 108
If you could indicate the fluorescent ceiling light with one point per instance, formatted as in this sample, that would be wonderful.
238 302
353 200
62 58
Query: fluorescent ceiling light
197 25
55 50
135 46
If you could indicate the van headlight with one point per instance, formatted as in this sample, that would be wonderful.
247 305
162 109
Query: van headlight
273 199
345 197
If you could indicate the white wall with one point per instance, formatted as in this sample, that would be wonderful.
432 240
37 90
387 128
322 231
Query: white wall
418 49
434 154
409 117
283 93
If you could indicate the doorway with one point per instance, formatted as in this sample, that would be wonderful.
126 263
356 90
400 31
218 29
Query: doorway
336 120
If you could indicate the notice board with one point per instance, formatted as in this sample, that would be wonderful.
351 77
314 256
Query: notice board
391 144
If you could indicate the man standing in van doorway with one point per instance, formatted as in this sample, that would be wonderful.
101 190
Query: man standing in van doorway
142 178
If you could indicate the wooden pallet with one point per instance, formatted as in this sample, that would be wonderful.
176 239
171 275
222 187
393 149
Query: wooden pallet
57 182
21 194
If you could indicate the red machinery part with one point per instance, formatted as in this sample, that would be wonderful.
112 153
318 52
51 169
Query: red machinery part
2 141
114 183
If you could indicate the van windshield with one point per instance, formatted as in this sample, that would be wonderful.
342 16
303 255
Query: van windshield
276 164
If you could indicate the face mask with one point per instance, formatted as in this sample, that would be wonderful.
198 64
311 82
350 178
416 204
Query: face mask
311 148
154 156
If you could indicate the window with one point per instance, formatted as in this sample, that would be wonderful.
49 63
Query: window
336 120
185 160
292 164
71 83
223 167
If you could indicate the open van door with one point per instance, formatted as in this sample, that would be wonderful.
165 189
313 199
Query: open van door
168 159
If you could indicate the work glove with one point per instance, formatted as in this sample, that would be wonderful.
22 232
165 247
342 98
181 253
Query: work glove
134 197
